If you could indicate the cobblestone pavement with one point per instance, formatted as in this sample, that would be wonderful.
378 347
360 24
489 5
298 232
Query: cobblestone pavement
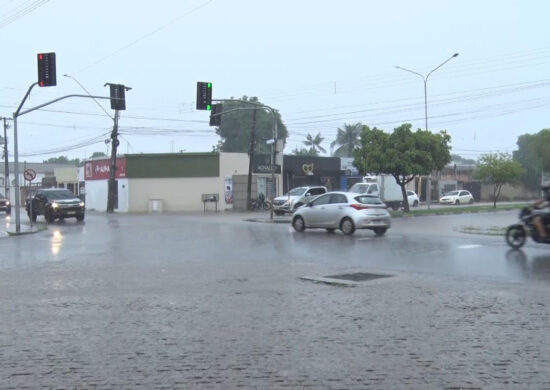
153 308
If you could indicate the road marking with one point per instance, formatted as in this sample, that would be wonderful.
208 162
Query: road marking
470 246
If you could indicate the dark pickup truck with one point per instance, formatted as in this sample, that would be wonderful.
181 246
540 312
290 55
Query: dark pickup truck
55 203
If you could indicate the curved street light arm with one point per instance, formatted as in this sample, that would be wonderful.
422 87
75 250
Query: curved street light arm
411 71
447 60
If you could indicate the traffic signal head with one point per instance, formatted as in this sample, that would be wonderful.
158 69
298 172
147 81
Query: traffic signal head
46 70
204 95
216 114
118 98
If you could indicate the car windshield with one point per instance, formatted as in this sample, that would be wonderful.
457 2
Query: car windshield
359 188
364 199
452 193
297 191
60 194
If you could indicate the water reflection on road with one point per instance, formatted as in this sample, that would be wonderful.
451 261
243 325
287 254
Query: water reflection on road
420 245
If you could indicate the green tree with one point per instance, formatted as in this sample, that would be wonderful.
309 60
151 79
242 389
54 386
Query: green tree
498 169
62 160
404 154
235 128
304 152
461 160
98 154
314 144
346 140
533 155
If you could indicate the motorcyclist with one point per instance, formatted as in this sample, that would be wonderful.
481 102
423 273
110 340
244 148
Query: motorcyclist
543 218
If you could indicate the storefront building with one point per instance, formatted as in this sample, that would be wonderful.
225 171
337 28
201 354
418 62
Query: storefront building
165 182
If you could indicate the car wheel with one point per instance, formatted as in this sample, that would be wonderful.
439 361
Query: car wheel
48 215
347 227
415 203
298 224
471 201
330 230
8 211
380 231
278 212
80 217
457 202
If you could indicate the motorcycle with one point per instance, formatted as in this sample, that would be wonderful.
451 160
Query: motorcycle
260 203
516 234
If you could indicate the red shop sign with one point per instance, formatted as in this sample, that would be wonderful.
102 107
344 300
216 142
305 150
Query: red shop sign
99 169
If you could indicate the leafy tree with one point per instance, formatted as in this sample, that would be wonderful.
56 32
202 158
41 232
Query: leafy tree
404 154
347 139
98 154
498 169
314 144
235 128
461 160
62 160
304 152
533 155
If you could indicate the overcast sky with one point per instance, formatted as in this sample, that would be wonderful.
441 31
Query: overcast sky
321 63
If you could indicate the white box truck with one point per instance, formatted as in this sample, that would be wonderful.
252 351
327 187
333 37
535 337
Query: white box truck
383 186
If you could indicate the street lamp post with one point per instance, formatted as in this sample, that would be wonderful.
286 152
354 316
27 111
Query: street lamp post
425 80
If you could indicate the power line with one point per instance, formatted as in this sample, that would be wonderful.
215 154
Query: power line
143 37
21 11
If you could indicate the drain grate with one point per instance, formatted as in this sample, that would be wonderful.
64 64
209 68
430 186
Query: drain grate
357 277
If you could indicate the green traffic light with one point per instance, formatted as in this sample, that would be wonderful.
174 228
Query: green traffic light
208 107
209 85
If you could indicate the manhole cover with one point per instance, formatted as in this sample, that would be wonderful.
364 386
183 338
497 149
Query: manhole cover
357 277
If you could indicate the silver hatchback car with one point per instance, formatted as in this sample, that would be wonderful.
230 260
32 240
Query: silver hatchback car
346 211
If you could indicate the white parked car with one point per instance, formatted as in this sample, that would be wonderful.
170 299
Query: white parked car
346 211
457 197
295 198
412 199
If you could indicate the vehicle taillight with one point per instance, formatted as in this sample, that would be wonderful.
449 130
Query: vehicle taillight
357 206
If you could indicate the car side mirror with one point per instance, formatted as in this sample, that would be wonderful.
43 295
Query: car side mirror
308 194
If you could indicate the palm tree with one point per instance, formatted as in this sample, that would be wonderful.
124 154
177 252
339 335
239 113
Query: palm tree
347 139
314 143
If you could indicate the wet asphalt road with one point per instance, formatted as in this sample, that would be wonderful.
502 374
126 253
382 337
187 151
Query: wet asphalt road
212 301
432 244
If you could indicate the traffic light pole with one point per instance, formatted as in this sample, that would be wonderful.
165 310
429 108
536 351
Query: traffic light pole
17 114
251 151
6 164
111 194
251 148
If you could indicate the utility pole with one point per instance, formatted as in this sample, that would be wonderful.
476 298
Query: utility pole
250 158
118 102
111 195
6 166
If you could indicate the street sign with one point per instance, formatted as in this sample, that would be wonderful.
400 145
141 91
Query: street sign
29 174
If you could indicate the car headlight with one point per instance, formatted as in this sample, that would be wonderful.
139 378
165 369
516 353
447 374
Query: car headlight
7 202
81 204
55 205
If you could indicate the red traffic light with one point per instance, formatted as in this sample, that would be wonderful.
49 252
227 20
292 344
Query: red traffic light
46 70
